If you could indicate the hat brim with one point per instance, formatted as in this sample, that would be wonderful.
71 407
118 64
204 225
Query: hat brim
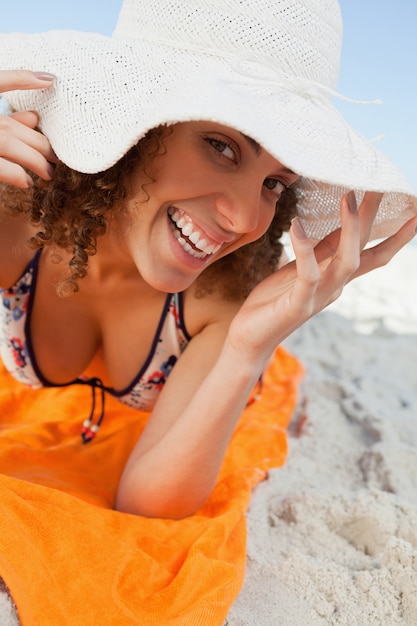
109 92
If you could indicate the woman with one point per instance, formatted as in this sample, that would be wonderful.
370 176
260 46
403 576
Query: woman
166 154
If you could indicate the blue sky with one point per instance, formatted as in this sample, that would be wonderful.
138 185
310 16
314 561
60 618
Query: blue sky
379 61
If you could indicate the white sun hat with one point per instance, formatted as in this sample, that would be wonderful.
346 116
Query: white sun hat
268 68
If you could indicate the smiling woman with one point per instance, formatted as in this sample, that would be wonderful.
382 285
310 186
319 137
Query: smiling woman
146 181
157 217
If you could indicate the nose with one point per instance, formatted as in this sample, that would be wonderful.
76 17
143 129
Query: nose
238 208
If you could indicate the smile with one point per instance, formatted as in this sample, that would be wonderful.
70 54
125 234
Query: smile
189 237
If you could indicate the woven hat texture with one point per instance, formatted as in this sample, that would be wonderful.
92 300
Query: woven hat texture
268 68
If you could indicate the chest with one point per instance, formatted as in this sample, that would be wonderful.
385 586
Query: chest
107 330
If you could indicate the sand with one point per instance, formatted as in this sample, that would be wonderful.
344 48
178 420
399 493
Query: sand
332 536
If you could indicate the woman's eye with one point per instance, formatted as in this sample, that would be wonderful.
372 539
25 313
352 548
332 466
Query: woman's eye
274 185
222 147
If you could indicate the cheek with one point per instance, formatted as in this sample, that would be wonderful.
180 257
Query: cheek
265 219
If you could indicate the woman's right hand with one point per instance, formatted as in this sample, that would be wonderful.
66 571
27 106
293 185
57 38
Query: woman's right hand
21 146
283 301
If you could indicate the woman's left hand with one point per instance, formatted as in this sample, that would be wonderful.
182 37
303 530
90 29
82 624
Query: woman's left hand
286 299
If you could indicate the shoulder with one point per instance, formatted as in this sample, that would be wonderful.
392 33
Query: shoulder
15 253
209 311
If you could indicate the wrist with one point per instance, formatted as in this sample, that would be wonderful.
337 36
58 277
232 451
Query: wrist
247 364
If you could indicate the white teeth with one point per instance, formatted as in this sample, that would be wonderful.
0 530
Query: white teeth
174 214
194 237
187 229
188 248
184 227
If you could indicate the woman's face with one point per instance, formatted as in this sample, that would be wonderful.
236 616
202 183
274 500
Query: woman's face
214 191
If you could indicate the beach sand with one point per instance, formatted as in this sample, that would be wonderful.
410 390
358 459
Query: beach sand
332 536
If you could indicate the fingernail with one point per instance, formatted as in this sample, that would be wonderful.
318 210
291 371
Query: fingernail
46 76
298 228
352 204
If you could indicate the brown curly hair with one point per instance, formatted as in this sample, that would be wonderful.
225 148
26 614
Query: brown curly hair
74 209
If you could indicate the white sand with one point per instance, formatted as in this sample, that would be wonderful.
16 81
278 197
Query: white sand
333 535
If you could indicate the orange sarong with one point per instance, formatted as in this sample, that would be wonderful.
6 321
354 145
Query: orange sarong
69 559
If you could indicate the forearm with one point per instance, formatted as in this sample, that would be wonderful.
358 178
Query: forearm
175 476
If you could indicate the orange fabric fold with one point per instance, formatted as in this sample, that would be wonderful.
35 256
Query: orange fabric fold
69 558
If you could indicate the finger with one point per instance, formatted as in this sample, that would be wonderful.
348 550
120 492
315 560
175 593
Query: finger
11 80
328 247
367 213
14 174
35 139
308 272
336 270
382 253
21 154
368 209
347 258
25 147
27 118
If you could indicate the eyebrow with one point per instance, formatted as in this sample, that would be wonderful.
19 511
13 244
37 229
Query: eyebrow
253 144
256 147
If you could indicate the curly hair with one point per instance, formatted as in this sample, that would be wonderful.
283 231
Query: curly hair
74 209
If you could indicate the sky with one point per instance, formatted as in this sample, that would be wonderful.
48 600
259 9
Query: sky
379 61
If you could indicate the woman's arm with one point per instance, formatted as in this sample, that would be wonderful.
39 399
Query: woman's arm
174 466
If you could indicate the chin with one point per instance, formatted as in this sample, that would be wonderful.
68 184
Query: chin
173 284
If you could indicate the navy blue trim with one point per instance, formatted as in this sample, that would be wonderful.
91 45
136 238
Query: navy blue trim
151 354
28 338
180 299
86 381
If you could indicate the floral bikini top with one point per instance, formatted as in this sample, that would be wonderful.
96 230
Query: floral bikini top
16 350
